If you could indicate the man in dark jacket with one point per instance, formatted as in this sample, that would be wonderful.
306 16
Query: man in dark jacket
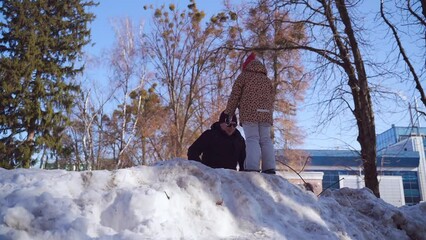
222 146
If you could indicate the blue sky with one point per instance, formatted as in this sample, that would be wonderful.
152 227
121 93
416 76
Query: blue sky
340 134
108 10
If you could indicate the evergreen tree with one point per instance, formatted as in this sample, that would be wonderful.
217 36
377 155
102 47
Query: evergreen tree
40 43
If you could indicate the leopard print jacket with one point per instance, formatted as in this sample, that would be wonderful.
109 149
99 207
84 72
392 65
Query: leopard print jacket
252 93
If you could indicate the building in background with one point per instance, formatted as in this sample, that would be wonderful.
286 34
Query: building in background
407 139
400 163
343 168
396 135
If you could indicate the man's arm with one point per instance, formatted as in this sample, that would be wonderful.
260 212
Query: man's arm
198 147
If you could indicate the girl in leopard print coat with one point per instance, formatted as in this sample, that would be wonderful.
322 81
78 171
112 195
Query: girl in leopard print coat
252 94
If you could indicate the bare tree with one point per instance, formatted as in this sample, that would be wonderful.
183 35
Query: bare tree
182 54
409 15
87 127
331 35
128 76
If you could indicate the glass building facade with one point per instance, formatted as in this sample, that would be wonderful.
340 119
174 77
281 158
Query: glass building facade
395 157
334 163
409 180
397 134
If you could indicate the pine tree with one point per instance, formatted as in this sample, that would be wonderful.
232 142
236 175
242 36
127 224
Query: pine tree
40 43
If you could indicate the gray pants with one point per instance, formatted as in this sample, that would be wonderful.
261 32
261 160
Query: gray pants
258 145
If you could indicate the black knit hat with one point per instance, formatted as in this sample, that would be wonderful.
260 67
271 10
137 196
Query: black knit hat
223 116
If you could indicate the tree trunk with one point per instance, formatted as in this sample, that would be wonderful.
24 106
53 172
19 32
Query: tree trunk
367 135
424 7
29 148
363 110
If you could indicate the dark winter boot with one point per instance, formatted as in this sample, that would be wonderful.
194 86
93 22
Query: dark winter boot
269 171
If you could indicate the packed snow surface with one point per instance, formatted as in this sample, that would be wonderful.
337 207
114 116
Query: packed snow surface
181 199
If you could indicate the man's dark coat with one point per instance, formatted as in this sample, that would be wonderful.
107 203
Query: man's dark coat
216 149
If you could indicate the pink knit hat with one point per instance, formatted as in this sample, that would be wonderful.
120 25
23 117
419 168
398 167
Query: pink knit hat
250 58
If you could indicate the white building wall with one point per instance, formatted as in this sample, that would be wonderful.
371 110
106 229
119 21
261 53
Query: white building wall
417 142
391 187
414 143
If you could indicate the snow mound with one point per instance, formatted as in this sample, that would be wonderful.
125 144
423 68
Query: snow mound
181 199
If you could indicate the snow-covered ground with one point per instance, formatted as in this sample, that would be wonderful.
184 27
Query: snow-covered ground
181 199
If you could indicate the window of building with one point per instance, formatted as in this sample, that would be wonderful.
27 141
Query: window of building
409 180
